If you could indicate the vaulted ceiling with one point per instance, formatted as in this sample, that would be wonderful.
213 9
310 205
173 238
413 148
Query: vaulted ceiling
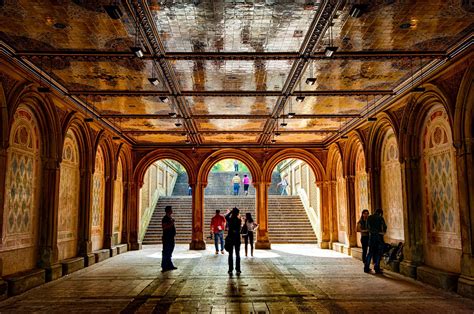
231 70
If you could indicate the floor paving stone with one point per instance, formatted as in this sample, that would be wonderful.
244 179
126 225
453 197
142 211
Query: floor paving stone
286 279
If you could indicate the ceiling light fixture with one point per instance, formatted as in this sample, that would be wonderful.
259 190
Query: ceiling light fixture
291 115
330 49
273 141
178 124
113 11
115 137
311 80
344 137
164 99
88 120
299 98
153 80
137 51
372 119
44 89
283 124
277 133
172 114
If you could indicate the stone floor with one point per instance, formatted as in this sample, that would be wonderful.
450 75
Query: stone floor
286 279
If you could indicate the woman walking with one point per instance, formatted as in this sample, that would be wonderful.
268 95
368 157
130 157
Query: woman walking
233 239
250 227
363 228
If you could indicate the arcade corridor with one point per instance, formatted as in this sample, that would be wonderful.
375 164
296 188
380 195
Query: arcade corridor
276 281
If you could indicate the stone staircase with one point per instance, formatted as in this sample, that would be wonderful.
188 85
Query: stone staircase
288 222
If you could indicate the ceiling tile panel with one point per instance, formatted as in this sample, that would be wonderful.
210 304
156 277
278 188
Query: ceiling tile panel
127 105
294 138
230 138
237 26
231 105
158 138
331 104
148 125
232 74
231 124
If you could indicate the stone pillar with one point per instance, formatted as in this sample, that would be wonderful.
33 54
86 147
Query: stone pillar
465 172
197 241
412 217
126 213
324 238
373 182
3 175
261 189
134 215
109 210
48 246
85 223
332 201
350 208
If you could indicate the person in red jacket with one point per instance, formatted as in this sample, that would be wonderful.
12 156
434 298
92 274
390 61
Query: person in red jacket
217 228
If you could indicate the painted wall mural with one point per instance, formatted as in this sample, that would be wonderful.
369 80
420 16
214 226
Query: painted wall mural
391 188
118 204
341 202
69 189
98 198
22 180
441 206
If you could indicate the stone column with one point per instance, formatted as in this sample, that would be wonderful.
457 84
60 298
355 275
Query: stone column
109 210
261 189
412 217
48 246
134 224
324 238
350 208
126 214
197 241
85 223
373 182
3 176
332 201
465 172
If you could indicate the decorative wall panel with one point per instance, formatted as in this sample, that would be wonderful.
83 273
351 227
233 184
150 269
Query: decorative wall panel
441 207
341 202
69 189
98 198
391 188
22 180
118 204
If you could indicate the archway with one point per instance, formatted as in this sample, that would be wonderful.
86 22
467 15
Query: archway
98 201
294 203
69 191
165 183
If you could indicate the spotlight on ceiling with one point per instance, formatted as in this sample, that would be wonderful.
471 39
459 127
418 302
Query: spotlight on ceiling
154 81
277 133
115 137
137 51
418 89
183 134
44 89
283 124
164 99
299 98
187 141
356 11
178 124
372 119
344 137
329 51
273 141
310 81
172 114
291 115
113 11
88 120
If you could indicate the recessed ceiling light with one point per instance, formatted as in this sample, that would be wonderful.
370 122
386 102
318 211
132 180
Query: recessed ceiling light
137 51
310 80
329 51
164 99
113 11
299 98
154 81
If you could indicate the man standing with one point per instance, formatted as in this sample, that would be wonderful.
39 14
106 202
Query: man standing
169 232
236 182
218 223
284 184
377 228
236 165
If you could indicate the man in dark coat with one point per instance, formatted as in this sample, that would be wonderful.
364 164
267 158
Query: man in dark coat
377 228
169 232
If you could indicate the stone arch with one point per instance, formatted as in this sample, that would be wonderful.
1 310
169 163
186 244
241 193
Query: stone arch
22 207
3 119
229 153
69 197
352 149
118 202
334 153
385 121
301 154
464 112
82 133
98 199
158 154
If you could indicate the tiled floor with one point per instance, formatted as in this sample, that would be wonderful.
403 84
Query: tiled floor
288 278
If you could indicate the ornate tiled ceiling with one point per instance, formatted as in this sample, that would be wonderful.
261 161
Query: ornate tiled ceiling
231 69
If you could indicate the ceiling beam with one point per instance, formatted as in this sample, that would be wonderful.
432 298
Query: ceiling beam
96 56
252 93
229 116
174 132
